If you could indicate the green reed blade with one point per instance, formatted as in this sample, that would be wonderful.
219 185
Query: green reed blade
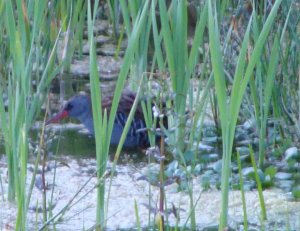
229 117
242 192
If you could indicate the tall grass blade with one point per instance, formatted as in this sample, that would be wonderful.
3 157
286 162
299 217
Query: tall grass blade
259 186
229 117
99 122
136 211
104 124
242 191
24 100
268 89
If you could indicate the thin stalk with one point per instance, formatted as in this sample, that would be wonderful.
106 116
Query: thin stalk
100 121
242 192
259 186
161 180
44 187
136 211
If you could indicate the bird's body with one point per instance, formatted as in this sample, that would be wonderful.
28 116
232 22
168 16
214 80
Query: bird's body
80 107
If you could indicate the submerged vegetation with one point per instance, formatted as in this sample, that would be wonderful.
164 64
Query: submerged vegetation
185 59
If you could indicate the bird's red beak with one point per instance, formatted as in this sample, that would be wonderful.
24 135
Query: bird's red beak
59 116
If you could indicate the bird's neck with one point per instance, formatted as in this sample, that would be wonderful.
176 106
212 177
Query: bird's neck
86 119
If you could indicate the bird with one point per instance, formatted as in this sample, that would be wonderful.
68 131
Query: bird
80 107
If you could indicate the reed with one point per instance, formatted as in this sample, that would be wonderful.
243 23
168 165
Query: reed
259 187
136 211
179 61
102 121
229 105
21 23
242 191
72 16
288 87
130 12
114 16
261 91
28 63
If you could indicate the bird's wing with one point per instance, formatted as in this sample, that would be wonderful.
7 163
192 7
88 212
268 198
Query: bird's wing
125 104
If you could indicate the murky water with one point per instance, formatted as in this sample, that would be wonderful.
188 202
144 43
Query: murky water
71 164
72 173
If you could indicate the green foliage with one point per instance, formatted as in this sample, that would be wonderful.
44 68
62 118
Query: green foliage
258 180
270 173
25 46
229 106
269 62
242 191
103 122
296 193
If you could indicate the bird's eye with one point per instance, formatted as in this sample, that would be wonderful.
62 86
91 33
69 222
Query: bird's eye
69 106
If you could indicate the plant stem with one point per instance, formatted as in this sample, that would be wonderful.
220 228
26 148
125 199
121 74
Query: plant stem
161 179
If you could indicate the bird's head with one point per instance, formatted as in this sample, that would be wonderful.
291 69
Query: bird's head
78 107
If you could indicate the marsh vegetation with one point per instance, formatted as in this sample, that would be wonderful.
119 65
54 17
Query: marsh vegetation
218 85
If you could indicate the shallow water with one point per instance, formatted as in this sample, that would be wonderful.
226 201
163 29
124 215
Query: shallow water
72 173
74 152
